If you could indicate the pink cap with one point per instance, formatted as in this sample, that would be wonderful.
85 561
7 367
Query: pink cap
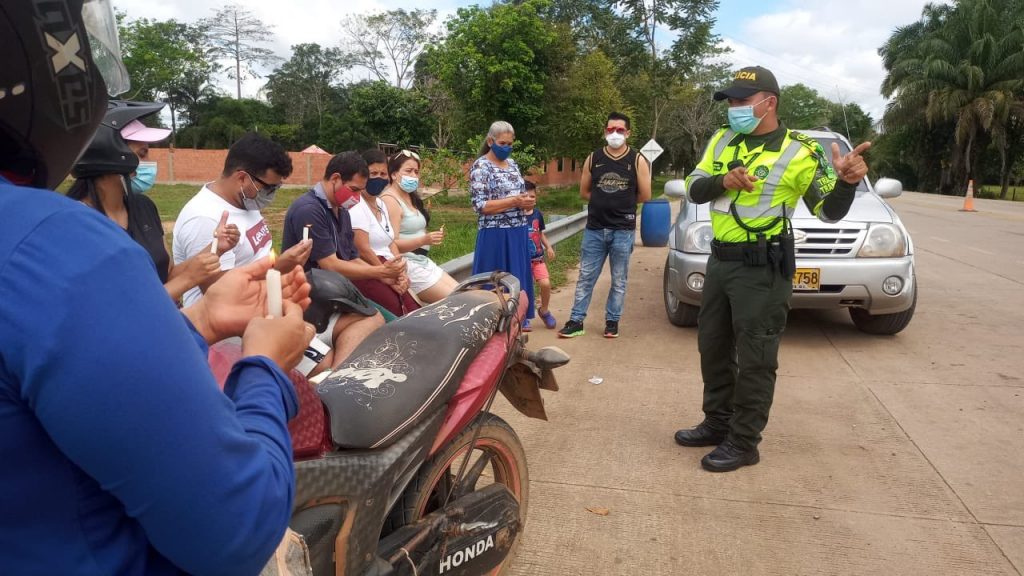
136 131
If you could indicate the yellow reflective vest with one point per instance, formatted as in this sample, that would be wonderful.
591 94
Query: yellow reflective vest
798 169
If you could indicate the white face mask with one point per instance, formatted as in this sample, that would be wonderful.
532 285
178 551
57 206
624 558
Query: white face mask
615 140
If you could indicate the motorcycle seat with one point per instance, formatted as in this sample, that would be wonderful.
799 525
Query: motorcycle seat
407 368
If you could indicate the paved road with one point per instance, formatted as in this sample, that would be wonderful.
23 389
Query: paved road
884 455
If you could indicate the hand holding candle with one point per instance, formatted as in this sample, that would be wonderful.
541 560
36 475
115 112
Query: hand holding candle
274 305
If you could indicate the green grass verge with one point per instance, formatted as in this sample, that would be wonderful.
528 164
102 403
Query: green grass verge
1015 193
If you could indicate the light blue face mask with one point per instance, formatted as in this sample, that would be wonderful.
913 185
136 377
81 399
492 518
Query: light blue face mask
742 119
409 184
144 178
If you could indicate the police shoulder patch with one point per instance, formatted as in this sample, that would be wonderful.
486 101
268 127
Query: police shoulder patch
817 152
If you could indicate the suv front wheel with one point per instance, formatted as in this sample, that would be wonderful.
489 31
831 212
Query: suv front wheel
887 324
679 313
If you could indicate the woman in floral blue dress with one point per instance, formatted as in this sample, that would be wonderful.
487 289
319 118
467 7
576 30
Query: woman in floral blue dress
497 189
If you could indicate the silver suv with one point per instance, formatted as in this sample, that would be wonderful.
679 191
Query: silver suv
864 262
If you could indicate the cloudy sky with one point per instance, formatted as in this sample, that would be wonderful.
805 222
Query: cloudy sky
828 45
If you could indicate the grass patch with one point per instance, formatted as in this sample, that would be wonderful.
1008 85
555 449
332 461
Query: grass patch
567 254
1014 193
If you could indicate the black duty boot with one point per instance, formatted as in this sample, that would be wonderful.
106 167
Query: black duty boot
728 457
699 435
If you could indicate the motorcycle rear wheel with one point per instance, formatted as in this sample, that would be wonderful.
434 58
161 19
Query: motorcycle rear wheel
496 441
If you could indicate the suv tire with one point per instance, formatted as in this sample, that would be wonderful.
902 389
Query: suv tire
886 324
679 313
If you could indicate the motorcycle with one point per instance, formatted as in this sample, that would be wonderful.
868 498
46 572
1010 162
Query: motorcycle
400 467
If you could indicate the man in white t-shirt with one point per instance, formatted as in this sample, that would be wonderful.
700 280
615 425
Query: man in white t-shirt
253 172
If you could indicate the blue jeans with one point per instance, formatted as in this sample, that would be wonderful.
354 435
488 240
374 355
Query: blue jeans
616 246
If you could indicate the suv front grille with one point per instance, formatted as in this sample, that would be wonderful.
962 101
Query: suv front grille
825 242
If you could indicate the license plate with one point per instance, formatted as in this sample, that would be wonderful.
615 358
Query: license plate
807 279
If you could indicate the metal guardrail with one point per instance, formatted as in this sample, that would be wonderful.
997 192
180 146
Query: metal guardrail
460 268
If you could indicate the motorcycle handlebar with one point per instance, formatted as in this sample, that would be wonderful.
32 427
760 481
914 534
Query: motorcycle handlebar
487 280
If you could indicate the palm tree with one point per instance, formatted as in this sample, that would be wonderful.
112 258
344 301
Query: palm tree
962 64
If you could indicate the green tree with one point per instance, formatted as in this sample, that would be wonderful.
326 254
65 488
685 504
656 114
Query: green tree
235 34
385 113
660 70
163 58
579 105
304 86
852 120
803 107
497 61
389 43
963 65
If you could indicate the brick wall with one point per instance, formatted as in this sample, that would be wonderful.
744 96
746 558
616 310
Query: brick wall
184 165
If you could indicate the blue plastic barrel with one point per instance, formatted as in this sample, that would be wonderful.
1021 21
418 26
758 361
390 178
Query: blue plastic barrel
655 222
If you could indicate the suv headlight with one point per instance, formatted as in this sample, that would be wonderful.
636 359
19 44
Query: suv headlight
883 241
698 238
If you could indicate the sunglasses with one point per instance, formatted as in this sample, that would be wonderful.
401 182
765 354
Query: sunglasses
407 154
615 130
266 188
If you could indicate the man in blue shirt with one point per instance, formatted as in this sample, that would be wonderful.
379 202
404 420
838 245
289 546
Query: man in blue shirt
120 454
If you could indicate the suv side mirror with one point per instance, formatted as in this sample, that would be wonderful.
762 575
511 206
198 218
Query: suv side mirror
675 188
888 187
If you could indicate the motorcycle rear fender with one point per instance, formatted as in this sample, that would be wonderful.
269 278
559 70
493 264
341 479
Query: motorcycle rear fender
521 387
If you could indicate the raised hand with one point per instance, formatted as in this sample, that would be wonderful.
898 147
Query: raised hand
851 168
227 234
739 179
295 256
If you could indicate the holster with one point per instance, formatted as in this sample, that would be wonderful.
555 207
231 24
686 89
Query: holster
785 253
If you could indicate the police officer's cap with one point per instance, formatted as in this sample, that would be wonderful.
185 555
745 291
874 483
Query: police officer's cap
749 81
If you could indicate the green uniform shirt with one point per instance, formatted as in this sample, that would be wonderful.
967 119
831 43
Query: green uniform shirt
788 166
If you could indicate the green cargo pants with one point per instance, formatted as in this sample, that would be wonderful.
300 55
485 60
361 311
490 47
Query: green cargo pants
742 316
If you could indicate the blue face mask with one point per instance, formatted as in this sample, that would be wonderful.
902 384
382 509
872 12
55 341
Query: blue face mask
145 177
374 186
742 119
501 152
409 184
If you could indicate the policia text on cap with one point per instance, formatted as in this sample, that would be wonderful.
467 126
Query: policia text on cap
753 172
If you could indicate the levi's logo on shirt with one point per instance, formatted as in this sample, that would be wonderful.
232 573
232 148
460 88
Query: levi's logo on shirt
258 235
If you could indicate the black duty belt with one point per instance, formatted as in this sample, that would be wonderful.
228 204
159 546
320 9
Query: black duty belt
742 251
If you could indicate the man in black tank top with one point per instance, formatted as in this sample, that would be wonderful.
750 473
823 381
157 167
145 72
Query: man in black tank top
615 179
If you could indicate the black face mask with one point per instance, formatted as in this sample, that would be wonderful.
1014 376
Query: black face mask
374 186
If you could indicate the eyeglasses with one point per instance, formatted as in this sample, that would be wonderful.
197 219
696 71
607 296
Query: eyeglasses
615 130
407 154
266 188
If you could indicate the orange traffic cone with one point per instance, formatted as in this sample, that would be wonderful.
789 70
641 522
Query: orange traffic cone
969 198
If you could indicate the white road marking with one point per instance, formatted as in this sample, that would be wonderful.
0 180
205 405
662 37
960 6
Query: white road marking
982 251
939 239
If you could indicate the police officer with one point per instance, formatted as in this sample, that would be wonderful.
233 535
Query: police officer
753 172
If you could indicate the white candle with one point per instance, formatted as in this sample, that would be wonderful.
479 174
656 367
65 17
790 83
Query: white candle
213 248
274 306
305 232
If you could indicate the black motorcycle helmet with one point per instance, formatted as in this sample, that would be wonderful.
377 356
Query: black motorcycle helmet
108 152
331 292
60 58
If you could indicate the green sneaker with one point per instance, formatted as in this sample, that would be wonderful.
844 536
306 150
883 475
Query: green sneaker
571 329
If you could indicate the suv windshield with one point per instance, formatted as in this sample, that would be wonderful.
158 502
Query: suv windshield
826 143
